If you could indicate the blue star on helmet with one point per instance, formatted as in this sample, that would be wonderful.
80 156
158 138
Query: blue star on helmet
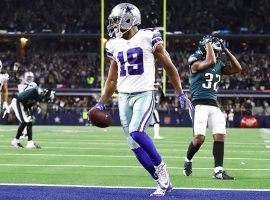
128 9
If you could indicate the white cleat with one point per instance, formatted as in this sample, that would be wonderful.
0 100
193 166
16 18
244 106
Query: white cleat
163 176
161 192
32 145
16 143
158 137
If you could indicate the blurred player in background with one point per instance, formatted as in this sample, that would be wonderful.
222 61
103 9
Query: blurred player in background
206 70
26 82
132 54
155 122
3 89
22 105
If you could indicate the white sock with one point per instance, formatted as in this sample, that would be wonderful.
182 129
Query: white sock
187 160
156 130
217 169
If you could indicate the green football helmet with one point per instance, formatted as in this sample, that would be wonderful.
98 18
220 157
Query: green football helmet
217 44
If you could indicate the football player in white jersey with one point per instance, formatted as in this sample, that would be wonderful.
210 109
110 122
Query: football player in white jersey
27 82
4 89
132 54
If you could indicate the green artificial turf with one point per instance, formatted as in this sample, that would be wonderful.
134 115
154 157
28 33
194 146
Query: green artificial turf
77 155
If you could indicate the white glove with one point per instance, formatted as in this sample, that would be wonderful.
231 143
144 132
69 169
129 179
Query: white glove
16 66
6 108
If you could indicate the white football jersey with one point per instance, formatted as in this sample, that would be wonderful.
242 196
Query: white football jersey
3 79
24 85
135 60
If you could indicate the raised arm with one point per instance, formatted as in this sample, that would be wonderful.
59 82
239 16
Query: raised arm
164 58
110 84
16 77
234 67
209 61
5 92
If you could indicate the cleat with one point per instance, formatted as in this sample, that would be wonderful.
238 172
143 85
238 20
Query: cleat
158 137
32 145
222 175
163 176
161 192
187 168
16 144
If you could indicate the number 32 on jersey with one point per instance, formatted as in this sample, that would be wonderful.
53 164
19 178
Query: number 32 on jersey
210 82
133 58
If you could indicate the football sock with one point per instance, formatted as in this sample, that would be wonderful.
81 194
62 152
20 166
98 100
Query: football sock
192 150
29 131
156 130
20 130
145 161
218 153
148 146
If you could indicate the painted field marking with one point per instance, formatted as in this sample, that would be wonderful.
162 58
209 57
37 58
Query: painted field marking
118 166
122 142
126 187
117 156
124 149
265 133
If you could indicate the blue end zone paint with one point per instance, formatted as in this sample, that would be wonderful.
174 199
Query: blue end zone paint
95 193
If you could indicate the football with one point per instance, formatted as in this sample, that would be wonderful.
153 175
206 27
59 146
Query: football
100 118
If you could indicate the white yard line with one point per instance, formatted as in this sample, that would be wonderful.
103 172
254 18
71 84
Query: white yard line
121 141
116 156
126 187
120 166
265 133
124 149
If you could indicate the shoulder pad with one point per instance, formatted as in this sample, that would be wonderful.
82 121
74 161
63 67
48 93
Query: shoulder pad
109 48
195 57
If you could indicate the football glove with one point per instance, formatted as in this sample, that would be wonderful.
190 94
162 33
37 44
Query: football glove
16 66
221 43
99 106
218 43
6 108
184 100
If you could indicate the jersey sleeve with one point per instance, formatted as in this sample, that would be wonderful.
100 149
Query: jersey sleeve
156 39
109 49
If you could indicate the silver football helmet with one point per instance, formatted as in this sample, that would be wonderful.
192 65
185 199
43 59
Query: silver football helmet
122 18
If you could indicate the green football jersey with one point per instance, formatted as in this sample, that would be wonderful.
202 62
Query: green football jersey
31 96
204 84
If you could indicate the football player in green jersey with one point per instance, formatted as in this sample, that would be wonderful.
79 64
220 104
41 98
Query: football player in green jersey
22 105
206 69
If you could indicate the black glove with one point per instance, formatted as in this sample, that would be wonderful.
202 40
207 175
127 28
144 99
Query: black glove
220 41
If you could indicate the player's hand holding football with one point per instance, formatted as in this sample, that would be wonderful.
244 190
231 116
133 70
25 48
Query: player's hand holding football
99 116
99 106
